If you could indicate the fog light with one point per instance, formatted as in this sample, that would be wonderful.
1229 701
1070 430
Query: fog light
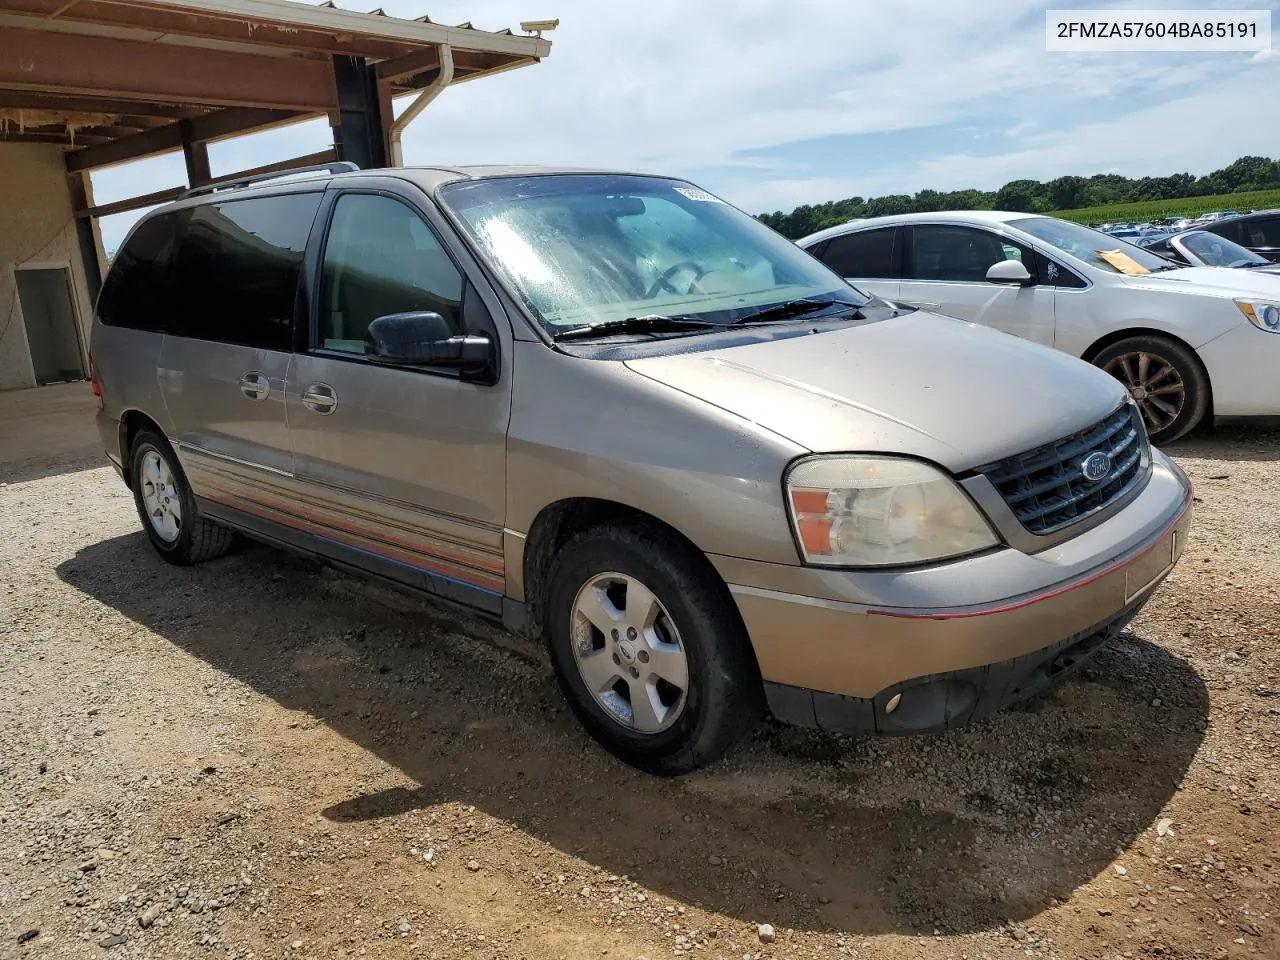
892 705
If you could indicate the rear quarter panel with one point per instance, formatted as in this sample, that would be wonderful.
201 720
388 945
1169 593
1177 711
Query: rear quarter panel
125 361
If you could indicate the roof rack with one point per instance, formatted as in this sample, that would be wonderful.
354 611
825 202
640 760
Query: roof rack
234 182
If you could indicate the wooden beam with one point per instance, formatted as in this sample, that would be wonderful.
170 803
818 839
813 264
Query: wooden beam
173 193
134 203
51 136
129 20
310 160
139 122
160 140
107 131
26 100
50 62
211 126
408 65
238 120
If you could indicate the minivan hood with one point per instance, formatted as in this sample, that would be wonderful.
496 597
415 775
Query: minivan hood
1220 281
922 385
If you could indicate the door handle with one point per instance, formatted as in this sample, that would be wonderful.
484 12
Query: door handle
255 386
320 398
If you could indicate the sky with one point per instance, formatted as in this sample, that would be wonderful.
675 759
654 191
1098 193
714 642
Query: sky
775 103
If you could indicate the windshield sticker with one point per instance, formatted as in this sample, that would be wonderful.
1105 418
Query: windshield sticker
1052 271
693 193
1122 262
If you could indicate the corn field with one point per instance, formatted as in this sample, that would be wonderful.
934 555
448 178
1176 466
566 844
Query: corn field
1146 210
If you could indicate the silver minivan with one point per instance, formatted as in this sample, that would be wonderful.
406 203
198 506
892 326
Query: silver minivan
617 412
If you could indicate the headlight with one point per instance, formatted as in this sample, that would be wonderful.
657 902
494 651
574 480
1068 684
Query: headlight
1263 314
880 511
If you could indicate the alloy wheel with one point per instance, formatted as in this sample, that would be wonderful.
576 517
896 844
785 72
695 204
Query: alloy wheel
160 497
629 653
1155 385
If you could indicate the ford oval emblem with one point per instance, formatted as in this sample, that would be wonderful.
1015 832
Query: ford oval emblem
1096 466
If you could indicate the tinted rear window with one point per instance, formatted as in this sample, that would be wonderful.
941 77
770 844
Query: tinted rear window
238 267
1262 232
870 254
137 292
1230 230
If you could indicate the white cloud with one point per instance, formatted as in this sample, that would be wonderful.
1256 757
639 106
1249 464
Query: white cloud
1197 133
684 86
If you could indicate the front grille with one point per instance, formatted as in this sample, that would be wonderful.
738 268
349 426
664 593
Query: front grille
1045 487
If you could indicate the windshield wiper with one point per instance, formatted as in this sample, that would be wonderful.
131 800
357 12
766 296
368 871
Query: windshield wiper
660 323
796 308
651 323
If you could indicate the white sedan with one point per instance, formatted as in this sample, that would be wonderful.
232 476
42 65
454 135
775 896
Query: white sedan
1183 340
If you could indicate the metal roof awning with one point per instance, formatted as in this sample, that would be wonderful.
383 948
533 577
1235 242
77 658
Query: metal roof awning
116 80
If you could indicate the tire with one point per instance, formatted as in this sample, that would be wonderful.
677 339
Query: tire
1168 366
722 696
179 534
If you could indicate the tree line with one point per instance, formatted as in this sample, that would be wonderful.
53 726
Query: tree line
1034 196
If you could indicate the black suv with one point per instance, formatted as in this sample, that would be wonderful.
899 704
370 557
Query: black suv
1259 231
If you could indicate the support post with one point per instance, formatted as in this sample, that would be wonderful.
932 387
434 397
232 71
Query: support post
87 238
359 135
196 154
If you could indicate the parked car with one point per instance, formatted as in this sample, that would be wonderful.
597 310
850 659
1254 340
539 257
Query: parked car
1179 339
1259 231
619 412
1132 234
1200 248
1147 238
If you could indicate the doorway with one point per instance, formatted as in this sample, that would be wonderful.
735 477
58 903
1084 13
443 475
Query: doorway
53 335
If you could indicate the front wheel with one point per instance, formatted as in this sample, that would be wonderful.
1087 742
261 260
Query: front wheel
1165 379
649 649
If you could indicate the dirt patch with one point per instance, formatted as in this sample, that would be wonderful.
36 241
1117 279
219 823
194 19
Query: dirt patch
259 757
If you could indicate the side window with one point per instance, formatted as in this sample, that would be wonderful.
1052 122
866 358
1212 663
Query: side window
381 258
1054 274
238 270
869 254
138 290
1263 232
1233 230
958 253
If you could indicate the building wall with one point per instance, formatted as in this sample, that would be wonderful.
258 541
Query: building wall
36 228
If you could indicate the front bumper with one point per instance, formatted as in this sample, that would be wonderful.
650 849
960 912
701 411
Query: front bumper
836 655
1241 365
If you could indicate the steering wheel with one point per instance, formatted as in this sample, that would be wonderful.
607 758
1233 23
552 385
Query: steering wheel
664 282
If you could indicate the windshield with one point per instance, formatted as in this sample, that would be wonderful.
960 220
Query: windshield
1092 246
590 249
1216 251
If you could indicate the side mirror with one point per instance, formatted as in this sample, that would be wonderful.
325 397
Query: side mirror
424 337
1010 272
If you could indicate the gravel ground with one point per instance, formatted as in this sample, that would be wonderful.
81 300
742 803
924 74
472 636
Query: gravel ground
261 758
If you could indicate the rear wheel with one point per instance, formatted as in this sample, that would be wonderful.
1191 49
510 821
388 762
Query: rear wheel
648 649
1164 378
167 507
